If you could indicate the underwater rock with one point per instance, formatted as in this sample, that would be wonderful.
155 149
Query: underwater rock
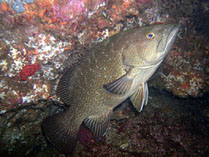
184 71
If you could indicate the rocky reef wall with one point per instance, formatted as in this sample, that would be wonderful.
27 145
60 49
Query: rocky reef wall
39 39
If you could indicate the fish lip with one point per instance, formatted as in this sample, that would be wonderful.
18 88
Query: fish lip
172 32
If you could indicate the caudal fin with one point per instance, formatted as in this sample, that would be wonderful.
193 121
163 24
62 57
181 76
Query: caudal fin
61 132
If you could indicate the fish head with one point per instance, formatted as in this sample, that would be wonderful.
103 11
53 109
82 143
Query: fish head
150 45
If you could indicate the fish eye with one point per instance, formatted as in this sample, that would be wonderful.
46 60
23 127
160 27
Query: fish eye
150 35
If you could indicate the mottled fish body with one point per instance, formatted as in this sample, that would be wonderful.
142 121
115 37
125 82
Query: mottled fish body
115 69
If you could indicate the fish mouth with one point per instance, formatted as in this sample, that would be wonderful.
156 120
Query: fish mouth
169 36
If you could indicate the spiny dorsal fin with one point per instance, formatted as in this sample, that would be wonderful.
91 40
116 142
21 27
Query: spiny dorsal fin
98 124
140 97
63 90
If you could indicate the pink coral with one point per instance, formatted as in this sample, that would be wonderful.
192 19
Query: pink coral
69 9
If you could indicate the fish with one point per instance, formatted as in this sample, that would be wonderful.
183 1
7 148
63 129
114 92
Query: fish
112 71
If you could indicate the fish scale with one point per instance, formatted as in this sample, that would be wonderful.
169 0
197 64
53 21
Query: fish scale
112 71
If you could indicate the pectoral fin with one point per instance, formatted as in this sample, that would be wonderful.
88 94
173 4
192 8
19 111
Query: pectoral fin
122 85
140 97
98 124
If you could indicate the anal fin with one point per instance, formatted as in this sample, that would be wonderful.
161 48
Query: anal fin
98 124
140 97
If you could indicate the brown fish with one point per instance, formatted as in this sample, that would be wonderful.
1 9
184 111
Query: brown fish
115 69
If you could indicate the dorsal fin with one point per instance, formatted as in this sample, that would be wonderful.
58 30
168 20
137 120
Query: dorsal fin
63 88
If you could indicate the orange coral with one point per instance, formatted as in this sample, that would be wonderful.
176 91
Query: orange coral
4 6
